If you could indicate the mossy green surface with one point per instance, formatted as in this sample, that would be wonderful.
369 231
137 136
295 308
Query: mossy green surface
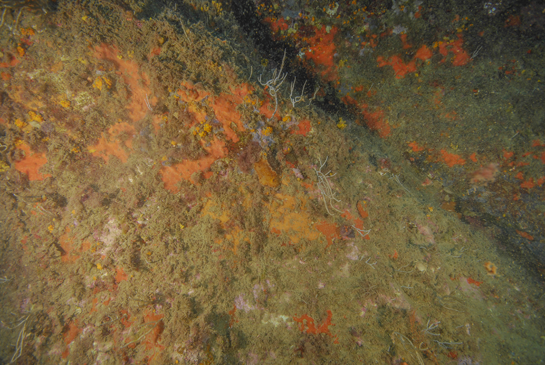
136 233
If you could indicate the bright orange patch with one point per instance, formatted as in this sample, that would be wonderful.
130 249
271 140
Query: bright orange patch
528 184
322 52
94 307
307 324
267 107
191 93
171 175
475 282
415 147
394 256
137 80
329 230
277 25
347 99
361 211
111 144
225 109
401 69
357 222
153 336
451 159
418 14
302 128
70 334
375 121
155 51
125 318
66 241
461 57
120 275
31 164
424 53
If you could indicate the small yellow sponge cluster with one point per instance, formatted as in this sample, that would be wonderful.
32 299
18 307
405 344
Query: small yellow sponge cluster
341 124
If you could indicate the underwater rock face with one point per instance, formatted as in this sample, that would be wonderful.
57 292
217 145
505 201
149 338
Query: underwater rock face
398 163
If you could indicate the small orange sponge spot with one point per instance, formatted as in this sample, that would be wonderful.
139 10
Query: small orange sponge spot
491 269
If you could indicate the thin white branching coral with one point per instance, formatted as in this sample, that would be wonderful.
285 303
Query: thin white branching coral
325 188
